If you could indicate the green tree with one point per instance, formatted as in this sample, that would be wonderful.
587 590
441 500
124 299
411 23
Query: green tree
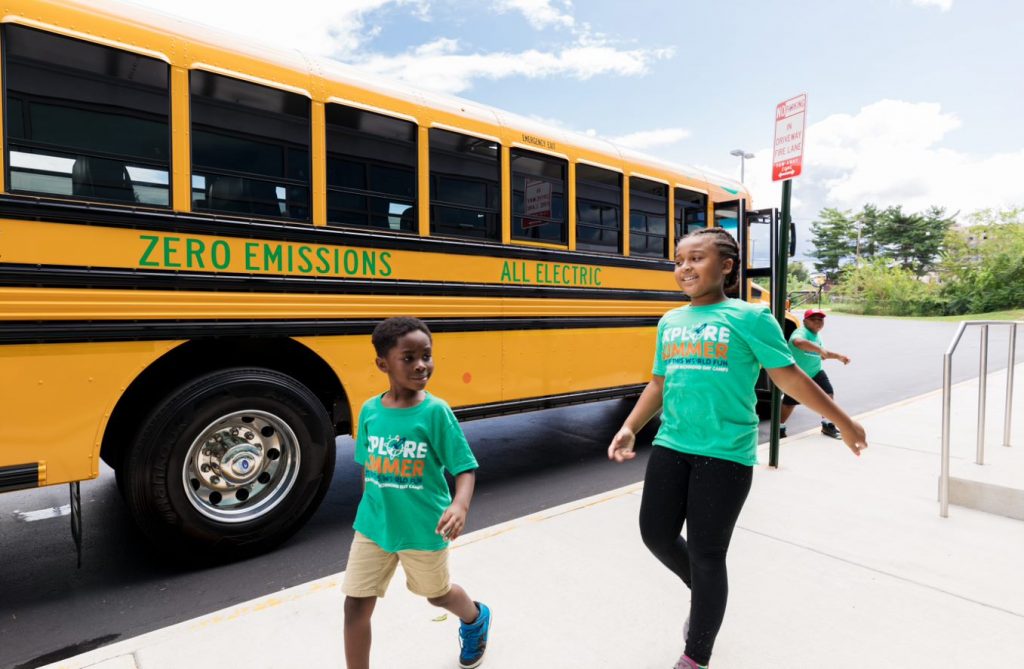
1011 215
797 274
983 264
935 225
834 240
914 241
869 222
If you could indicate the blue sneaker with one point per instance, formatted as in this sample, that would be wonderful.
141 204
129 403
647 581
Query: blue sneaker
473 638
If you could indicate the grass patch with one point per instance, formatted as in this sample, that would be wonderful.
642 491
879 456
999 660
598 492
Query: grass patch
1007 315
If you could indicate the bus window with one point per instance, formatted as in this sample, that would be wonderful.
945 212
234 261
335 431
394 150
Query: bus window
759 240
727 215
85 121
598 209
465 191
648 218
250 148
371 170
691 211
538 197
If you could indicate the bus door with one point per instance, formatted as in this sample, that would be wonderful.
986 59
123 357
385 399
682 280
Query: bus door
759 239
760 242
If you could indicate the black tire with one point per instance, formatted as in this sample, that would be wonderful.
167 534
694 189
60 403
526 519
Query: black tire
232 421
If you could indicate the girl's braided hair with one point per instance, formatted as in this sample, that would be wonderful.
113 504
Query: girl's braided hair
727 247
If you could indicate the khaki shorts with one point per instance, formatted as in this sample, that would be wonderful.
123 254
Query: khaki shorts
370 569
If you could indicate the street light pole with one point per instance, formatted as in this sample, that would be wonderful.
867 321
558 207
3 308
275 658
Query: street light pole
743 156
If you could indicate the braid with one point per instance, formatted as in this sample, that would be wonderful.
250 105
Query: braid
727 247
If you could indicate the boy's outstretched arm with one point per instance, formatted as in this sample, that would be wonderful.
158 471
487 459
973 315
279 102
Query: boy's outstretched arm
792 381
453 520
811 347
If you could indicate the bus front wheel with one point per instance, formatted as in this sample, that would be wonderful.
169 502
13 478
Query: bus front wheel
230 464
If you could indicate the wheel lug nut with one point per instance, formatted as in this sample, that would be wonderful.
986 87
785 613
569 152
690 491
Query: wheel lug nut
205 468
215 480
234 432
249 435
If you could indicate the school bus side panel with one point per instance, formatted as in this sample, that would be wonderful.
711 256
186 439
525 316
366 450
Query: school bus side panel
555 362
56 400
467 372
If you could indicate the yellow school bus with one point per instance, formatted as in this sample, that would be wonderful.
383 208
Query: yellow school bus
198 234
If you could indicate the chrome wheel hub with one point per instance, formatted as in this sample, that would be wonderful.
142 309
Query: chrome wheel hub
241 466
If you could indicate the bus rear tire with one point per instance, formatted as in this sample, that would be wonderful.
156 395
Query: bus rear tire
229 465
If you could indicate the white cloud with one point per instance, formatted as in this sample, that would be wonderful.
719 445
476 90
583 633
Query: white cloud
316 26
422 10
639 140
944 5
646 139
891 152
540 13
440 65
342 30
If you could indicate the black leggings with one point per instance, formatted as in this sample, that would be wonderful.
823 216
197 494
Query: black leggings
708 494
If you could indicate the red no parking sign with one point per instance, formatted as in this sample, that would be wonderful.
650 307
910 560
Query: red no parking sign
788 149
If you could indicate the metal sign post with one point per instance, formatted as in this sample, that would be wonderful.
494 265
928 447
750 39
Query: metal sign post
787 163
779 309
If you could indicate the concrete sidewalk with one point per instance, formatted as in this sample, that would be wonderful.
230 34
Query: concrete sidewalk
837 563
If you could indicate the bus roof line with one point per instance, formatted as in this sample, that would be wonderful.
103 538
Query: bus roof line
347 75
269 83
88 37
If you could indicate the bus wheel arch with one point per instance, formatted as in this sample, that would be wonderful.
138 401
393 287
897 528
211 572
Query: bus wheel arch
195 358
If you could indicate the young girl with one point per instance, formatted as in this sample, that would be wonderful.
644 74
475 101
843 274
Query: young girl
708 357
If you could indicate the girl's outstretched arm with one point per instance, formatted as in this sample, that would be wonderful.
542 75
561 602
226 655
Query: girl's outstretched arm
647 406
797 385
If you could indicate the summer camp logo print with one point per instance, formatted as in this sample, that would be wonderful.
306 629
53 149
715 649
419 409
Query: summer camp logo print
393 446
702 347
395 461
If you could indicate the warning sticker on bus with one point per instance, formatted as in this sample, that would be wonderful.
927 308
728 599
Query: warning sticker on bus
538 203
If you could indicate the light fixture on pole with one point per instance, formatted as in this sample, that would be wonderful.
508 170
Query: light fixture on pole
743 156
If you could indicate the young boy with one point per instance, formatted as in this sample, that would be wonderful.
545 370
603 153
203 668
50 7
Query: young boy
808 352
405 440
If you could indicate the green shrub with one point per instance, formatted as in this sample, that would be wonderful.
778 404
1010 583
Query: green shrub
878 289
983 268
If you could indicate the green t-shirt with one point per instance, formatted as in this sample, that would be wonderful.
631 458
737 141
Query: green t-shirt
710 357
809 362
404 453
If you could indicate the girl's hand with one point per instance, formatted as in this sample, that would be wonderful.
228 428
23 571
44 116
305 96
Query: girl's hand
621 448
452 522
854 437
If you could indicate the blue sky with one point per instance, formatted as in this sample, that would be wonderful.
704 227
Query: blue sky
912 102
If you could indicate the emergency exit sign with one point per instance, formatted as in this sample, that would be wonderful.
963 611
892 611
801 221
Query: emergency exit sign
788 149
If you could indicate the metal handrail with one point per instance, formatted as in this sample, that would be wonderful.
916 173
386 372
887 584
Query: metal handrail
947 385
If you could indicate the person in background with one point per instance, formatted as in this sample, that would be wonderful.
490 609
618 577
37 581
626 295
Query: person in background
808 352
